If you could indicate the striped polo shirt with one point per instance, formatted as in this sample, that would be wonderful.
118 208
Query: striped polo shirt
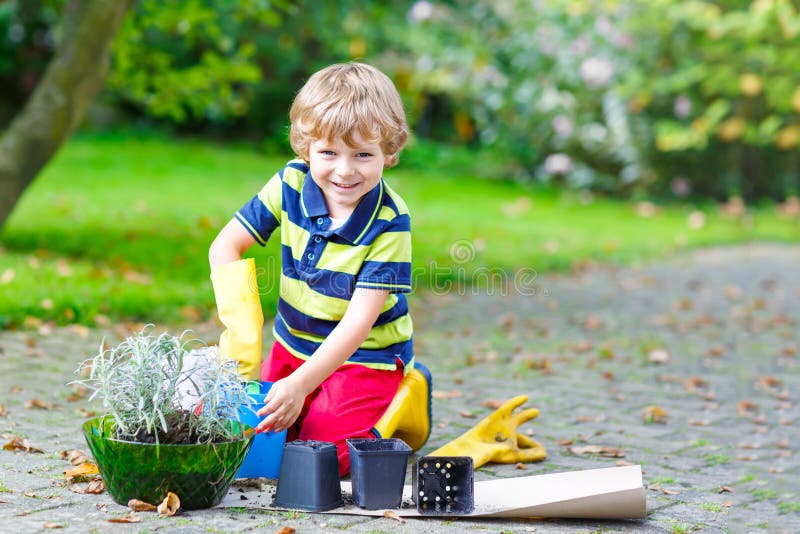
321 267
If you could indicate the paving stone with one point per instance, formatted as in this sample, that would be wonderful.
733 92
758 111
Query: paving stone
579 348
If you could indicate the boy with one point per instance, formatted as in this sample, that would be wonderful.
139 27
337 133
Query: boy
343 361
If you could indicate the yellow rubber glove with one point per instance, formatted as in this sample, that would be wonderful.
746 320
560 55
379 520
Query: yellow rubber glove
239 309
495 438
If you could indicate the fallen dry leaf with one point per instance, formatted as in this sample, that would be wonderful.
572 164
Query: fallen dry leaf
768 383
437 394
658 356
623 463
670 492
654 414
86 413
50 524
285 530
781 395
725 489
393 515
716 351
521 466
727 504
82 473
746 407
137 278
602 450
7 276
789 350
583 346
140 506
75 456
593 322
3 411
694 383
193 314
564 442
93 487
20 444
39 404
62 268
466 414
492 404
782 444
732 292
127 518
78 392
170 505
507 321
590 418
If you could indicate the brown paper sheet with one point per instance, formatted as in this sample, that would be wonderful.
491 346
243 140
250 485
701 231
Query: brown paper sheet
607 493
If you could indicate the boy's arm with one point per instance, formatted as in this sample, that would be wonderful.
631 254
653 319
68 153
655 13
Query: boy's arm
286 397
229 245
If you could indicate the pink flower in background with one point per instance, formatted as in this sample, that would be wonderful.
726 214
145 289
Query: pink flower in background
681 187
558 163
682 107
421 11
562 126
596 72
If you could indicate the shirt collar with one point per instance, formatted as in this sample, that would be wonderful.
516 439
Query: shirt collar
313 204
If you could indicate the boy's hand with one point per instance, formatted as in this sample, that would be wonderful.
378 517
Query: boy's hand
282 406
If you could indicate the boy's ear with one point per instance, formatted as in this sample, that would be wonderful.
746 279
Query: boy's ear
390 160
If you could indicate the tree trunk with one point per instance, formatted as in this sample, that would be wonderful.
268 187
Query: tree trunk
74 76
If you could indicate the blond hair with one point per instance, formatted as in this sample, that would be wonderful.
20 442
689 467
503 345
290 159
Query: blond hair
345 98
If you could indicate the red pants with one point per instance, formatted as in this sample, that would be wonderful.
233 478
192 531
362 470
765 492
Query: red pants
346 405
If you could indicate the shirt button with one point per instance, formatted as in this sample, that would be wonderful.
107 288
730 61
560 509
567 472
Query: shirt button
317 239
320 221
310 256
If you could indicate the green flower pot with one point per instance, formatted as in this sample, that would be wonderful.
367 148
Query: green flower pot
199 474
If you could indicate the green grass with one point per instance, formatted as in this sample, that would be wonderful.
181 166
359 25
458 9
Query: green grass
789 507
119 225
680 528
764 494
717 459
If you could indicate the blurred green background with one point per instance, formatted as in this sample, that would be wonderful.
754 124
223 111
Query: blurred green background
548 134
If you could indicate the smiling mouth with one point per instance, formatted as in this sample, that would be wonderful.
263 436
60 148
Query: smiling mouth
344 186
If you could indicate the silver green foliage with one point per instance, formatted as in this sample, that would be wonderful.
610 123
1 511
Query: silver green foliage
148 378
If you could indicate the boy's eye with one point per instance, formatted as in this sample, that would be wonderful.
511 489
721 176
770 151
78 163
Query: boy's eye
363 154
327 152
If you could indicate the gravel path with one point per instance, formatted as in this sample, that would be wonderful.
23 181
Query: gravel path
710 339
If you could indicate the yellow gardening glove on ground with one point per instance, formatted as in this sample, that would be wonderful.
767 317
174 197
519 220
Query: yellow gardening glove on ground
239 309
495 438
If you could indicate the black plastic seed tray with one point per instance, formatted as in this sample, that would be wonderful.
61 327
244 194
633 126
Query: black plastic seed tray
443 485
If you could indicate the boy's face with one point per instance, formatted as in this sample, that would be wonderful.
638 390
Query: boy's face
345 174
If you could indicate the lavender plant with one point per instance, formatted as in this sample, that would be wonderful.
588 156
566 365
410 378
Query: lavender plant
149 382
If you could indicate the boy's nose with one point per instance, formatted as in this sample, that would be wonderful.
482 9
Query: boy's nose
344 169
